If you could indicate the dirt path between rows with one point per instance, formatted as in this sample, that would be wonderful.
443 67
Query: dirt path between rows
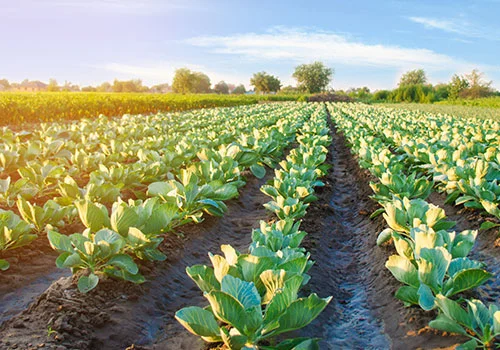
32 270
363 314
118 314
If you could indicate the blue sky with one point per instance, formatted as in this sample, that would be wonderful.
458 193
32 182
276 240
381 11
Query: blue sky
368 43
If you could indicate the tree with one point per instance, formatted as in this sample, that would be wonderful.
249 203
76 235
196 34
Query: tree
231 87
201 83
265 83
69 87
413 77
362 93
53 85
4 84
186 81
410 93
289 90
161 88
104 87
478 87
239 90
457 85
475 78
221 88
413 93
441 91
182 82
313 78
128 86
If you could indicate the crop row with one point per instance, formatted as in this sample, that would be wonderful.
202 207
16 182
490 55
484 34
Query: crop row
253 296
462 157
432 261
18 109
184 181
104 158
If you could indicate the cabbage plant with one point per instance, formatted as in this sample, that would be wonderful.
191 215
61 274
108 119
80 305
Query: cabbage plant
479 323
278 235
292 208
246 318
50 214
435 272
96 255
14 233
403 214
9 191
401 186
139 224
191 198
290 187
43 176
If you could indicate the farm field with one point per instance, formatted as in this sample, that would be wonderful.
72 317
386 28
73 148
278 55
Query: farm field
493 102
300 225
25 108
467 111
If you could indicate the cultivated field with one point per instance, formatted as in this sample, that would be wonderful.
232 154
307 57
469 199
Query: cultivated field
19 109
465 111
265 226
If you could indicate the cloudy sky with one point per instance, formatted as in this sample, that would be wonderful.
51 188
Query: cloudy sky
368 43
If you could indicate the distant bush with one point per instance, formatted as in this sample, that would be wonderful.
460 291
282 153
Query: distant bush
418 93
381 96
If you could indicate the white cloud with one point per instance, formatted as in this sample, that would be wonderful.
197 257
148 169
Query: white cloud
443 24
286 47
299 45
456 26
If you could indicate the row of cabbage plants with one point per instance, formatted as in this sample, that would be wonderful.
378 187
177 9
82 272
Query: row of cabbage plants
462 156
432 260
254 296
147 155
117 153
109 245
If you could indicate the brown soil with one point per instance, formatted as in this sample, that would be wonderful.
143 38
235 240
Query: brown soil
32 270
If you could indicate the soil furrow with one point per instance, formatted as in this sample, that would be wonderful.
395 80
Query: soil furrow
364 314
335 245
32 271
18 299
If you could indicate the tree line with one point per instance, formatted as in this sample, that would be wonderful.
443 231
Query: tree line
311 79
413 86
